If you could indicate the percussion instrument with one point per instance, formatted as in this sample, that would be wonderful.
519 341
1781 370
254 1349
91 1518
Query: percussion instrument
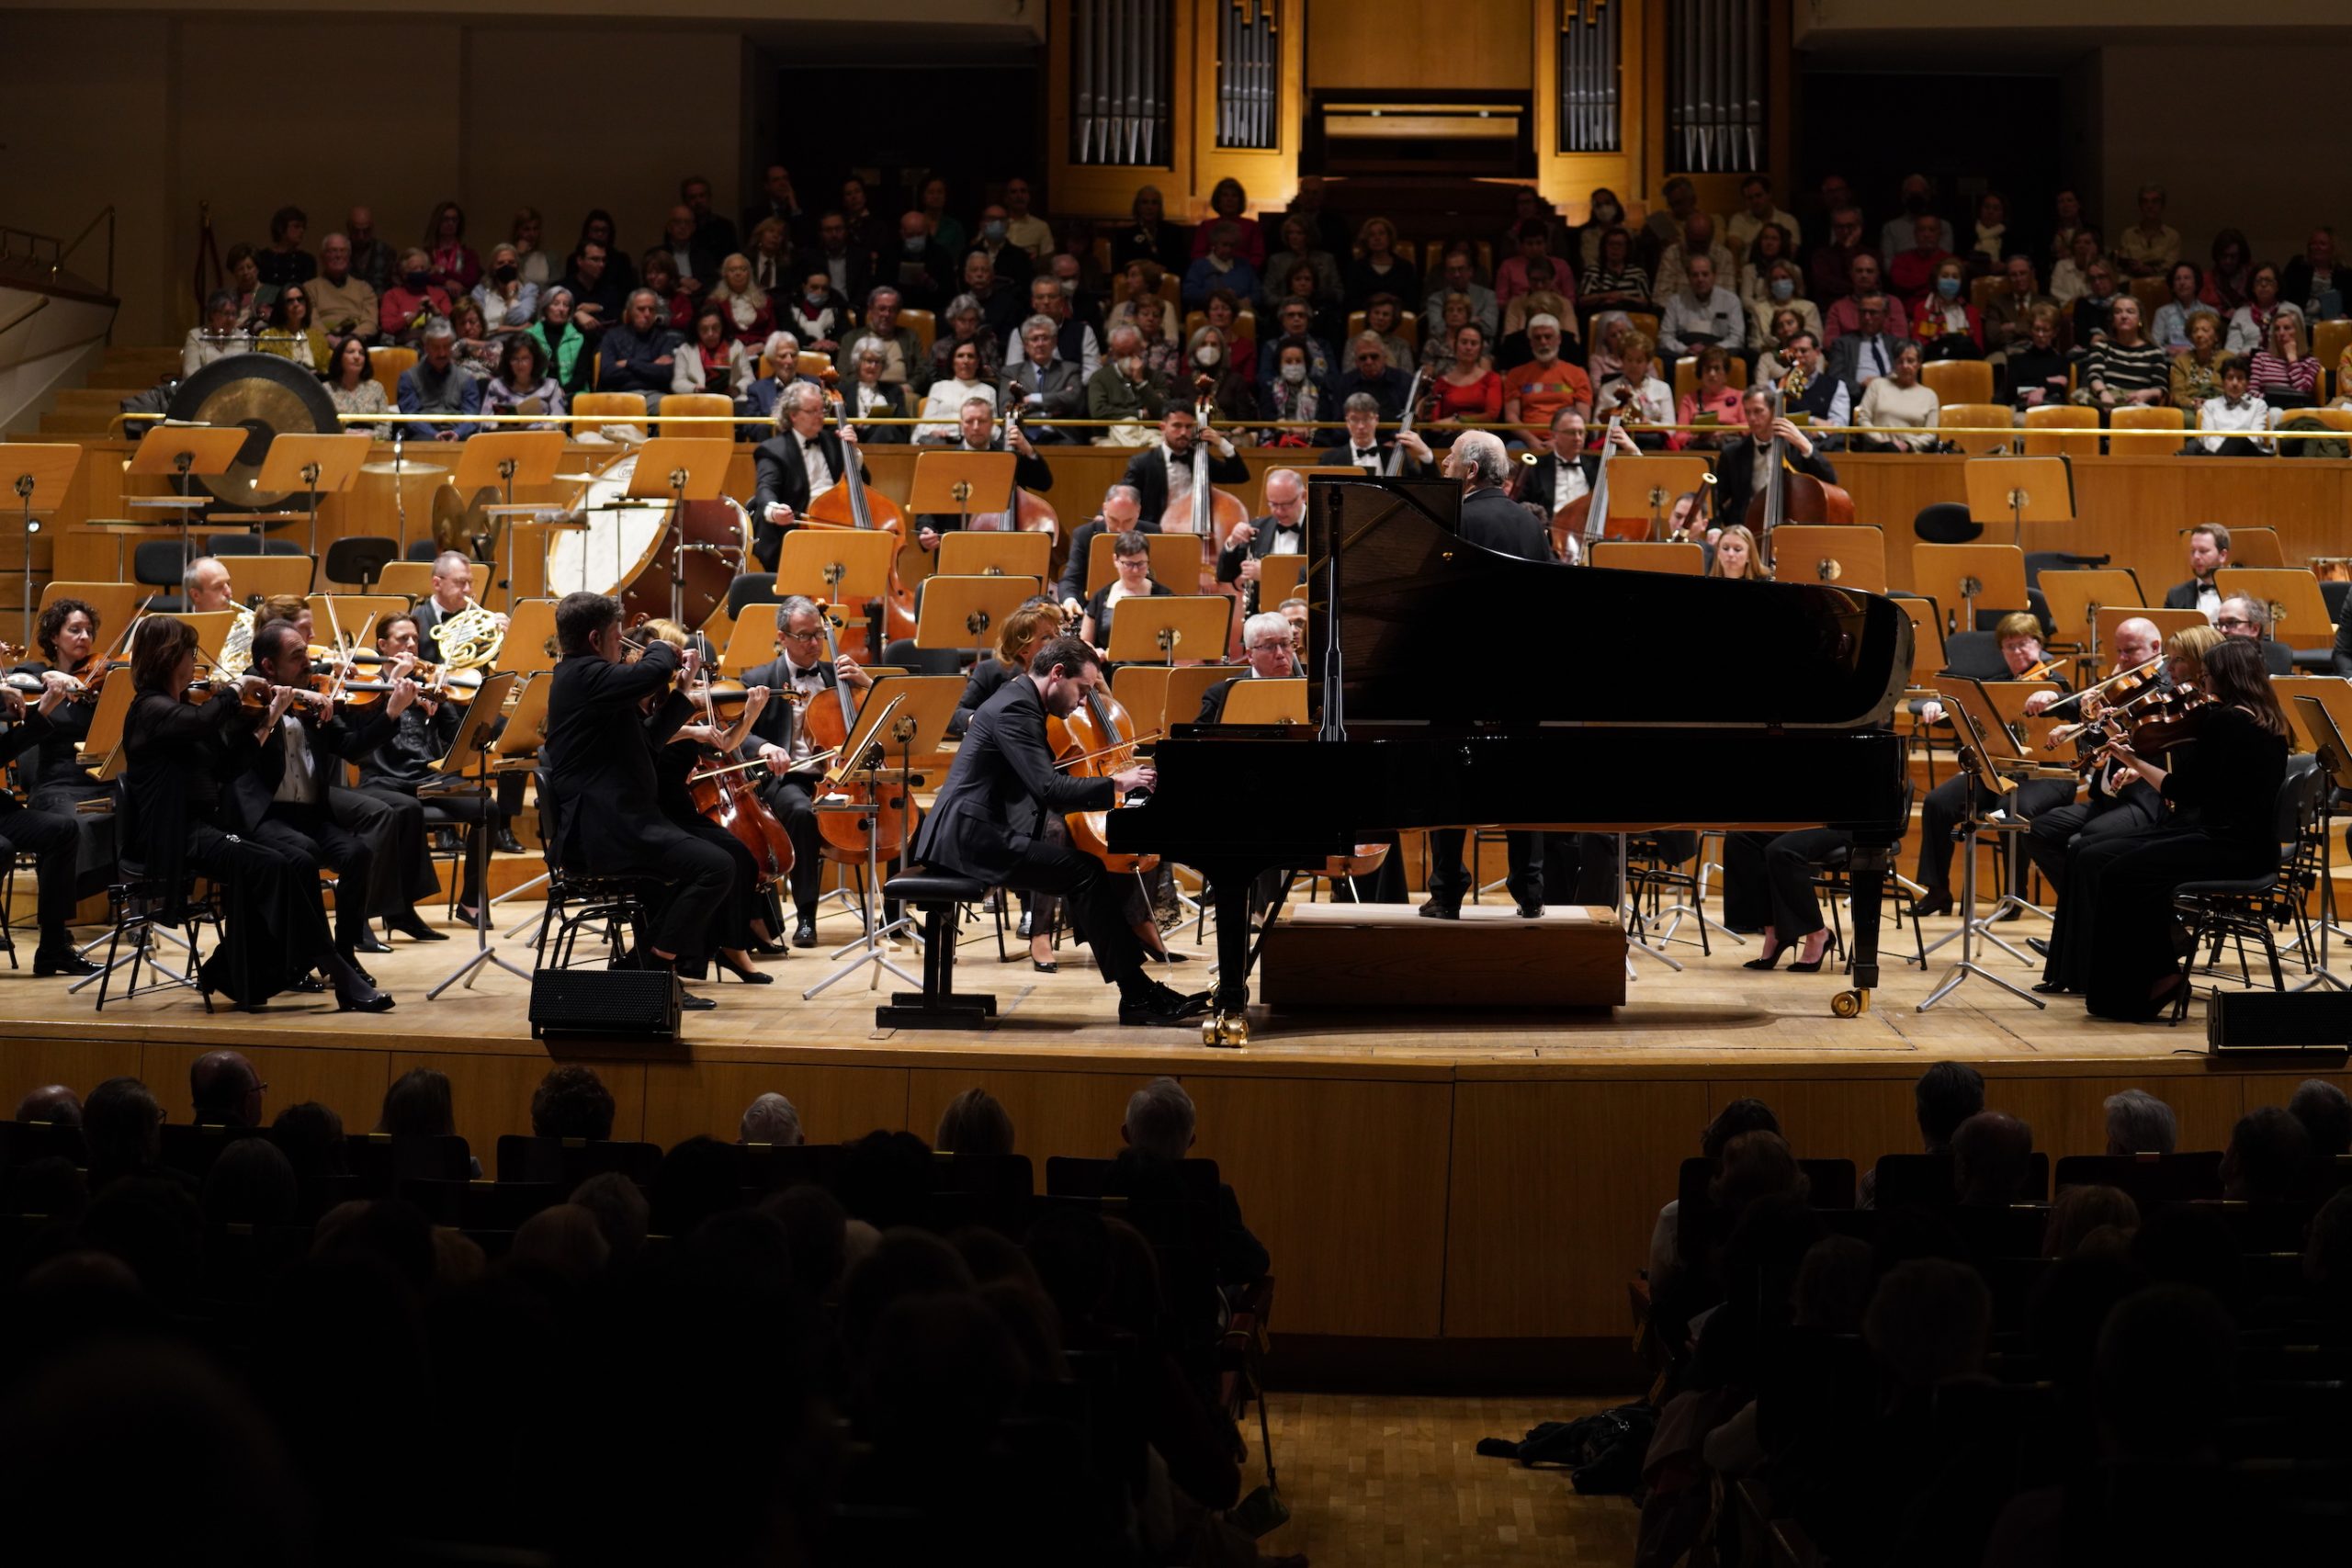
627 549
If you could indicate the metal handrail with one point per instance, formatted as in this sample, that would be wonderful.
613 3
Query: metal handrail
21 317
106 215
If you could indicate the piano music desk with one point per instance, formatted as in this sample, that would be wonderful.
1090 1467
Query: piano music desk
1387 956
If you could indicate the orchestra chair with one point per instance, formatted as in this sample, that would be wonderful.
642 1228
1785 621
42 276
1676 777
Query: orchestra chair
1981 291
578 900
2232 910
361 559
597 410
939 896
2172 421
925 324
1962 415
140 906
690 405
2040 424
2154 293
1925 1181
1686 374
2329 340
1959 380
159 563
388 365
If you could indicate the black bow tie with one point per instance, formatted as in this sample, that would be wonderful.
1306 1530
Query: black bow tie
1363 452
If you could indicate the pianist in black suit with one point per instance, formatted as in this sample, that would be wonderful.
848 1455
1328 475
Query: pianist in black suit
796 465
1490 518
1364 449
1740 470
1148 470
1005 774
975 428
1122 513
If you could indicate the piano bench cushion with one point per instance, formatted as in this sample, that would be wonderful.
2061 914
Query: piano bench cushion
927 887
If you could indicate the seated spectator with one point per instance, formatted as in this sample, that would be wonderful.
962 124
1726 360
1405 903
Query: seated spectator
2085 1220
640 355
2090 316
289 334
1702 313
477 350
768 250
1295 395
419 1104
2323 1109
437 384
1223 312
352 386
564 1241
524 385
1378 267
943 404
509 301
559 336
902 356
537 269
1159 1129
2038 371
1460 275
2139 1123
715 361
1766 245
1208 356
242 267
311 1135
1147 236
1615 281
816 315
1162 355
1299 249
1222 266
341 300
966 323
771 1119
2266 1159
2125 370
657 274
1536 388
1988 238
225 1090
1606 357
454 266
1636 392
2171 328
413 301
60 1106
121 1124
1123 389
1758 212
1046 384
599 297
2150 247
1324 322
975 1123
251 1184
571 1101
869 396
1456 312
598 229
2008 321
2250 322
2313 283
1469 390
1844 314
284 261
2284 372
1373 377
1944 324
1138 283
1385 317
690 255
1911 272
2071 278
1714 397
1743 1115
1781 288
1946 1094
1899 400
2236 422
1229 203
1074 337
1294 323
1514 350
1001 301
1830 267
1695 237
923 270
1990 1160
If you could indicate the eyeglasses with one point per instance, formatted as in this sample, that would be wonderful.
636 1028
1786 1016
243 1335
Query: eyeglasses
818 635
2228 623
1270 647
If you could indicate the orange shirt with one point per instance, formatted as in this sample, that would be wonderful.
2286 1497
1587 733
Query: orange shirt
1542 391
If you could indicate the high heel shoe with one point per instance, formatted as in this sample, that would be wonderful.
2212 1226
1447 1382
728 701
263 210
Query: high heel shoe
1769 961
1814 967
749 976
366 1001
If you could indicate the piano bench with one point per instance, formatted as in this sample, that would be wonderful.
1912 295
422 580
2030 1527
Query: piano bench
938 1005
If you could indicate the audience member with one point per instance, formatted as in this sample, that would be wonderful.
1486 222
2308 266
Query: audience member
509 302
571 1103
2125 370
2071 278
1944 324
2149 248
2139 1123
2319 1105
58 1104
771 1119
903 362
1831 266
121 1124
413 302
437 384
218 338
373 260
2085 1219
341 302
2170 328
1149 237
1911 272
1899 401
975 1123
1701 312
2267 1158
454 266
2009 315
226 1090
2313 282
1900 233
1843 313
2283 372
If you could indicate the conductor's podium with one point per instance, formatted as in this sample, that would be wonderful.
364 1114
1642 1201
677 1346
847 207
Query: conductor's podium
1388 956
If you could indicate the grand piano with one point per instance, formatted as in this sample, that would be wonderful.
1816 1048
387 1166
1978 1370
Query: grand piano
1452 686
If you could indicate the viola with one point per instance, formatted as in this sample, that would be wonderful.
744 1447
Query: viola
1095 742
850 504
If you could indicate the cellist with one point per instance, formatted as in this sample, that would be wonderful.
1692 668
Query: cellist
798 464
1163 473
976 431
1744 467
777 738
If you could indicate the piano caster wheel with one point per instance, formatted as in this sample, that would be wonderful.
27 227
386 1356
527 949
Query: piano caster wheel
1226 1030
1850 1004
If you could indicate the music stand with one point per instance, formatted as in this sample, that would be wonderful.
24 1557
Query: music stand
1158 698
2023 490
1969 719
2334 754
1659 481
2290 595
117 603
1963 574
1280 577
1282 702
1851 555
1175 558
180 453
468 750
752 640
262 577
994 554
2076 597
37 473
211 628
908 715
678 469
506 459
963 612
2257 548
836 566
2001 761
1163 630
516 746
528 646
316 465
1640 555
960 482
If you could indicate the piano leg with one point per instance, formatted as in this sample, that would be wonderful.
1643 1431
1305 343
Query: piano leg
1867 875
1233 885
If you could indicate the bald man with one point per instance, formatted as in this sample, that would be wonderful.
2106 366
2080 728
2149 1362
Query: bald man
51 1102
226 1088
2118 800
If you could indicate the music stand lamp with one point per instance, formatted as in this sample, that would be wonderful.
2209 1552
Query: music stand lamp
2023 490
183 452
506 459
1659 481
678 469
963 612
991 554
1164 630
316 465
38 473
2334 754
469 750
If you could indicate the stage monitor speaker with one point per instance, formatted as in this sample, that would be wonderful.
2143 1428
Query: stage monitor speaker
2304 1024
639 1003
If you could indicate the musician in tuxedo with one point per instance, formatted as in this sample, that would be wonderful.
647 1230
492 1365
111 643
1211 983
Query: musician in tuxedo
1565 471
2119 801
597 763
1005 774
1365 449
976 431
1742 468
54 836
1122 513
282 799
779 738
404 763
1163 473
453 591
1265 642
1490 519
1281 531
2209 552
796 465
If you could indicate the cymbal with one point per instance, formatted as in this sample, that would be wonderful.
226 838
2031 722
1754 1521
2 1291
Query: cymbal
576 478
396 470
267 396
460 524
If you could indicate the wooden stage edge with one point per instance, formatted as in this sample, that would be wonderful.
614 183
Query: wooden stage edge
1499 1173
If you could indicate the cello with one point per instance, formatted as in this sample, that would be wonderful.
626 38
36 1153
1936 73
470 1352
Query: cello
1097 741
726 795
831 723
850 506
1792 497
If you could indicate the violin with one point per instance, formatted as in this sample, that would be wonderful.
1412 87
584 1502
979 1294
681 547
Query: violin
850 504
1097 741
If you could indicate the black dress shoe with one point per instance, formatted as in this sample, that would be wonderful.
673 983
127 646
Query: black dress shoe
1529 908
689 1002
1162 1007
365 977
445 841
371 942
804 934
2008 912
749 976
308 984
64 961
2038 944
368 1000
506 843
1936 902
1439 909
2049 989
415 929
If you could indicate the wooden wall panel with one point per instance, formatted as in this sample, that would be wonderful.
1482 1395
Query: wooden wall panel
1069 1112
80 1064
350 1082
2067 1115
835 1103
1855 1119
493 1094
1405 43
1553 1191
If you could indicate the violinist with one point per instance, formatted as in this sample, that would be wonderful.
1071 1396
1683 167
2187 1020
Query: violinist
182 761
403 763
1364 449
779 738
976 431
1942 807
57 781
54 836
2119 801
1163 474
453 593
600 779
1564 470
206 588
1122 513
1744 466
1131 554
798 464
2114 939
1005 770
1281 532
1019 635
737 920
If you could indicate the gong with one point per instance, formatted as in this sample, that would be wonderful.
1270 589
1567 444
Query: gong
460 524
266 396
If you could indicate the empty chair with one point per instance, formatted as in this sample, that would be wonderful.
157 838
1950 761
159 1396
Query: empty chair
1924 1181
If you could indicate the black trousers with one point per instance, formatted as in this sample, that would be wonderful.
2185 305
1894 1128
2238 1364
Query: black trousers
1450 878
94 863
1097 900
309 836
1780 867
2138 809
794 803
728 924
393 827
274 927
468 808
700 876
57 841
2112 939
1941 809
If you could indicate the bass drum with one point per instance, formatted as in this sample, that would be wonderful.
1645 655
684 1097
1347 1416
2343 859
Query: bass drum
627 549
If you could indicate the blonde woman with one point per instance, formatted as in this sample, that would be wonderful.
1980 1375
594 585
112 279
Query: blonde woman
1736 555
749 314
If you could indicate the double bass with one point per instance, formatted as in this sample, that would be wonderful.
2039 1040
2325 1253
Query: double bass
850 506
1788 496
1585 522
1210 513
831 721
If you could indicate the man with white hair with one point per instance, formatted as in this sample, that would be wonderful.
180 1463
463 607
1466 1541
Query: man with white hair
1535 392
798 465
2119 801
1364 449
1492 520
1043 382
435 384
1124 387
2140 1123
771 1119
1158 1131
1281 532
2240 617
1265 642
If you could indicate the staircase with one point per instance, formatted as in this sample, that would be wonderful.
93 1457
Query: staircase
88 410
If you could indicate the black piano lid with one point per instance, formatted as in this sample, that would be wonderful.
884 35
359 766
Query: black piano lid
1437 632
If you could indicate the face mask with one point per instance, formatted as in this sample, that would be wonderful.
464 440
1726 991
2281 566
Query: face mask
1294 373
1069 285
417 280
915 246
1948 288
1204 357
505 273
1783 290
994 228
1605 215
814 298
